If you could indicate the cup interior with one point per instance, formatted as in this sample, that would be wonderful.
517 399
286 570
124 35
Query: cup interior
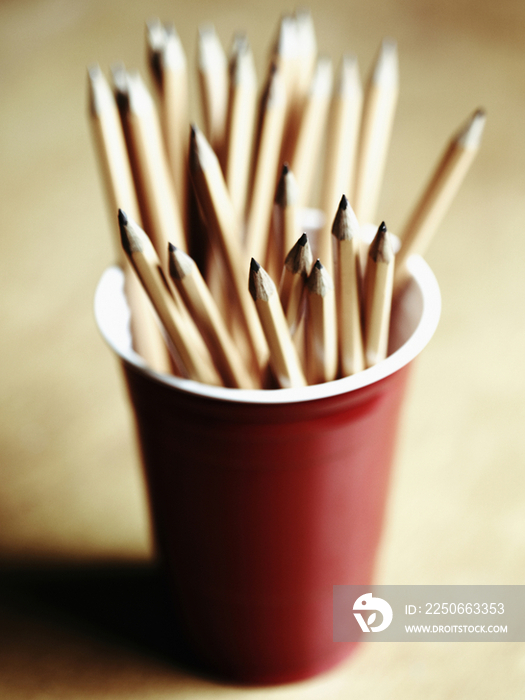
415 315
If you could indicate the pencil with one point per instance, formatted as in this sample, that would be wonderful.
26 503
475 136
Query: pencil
120 192
439 192
284 361
240 122
168 68
297 266
311 129
158 205
379 278
191 354
341 146
306 52
379 108
266 163
203 309
213 83
223 226
285 226
320 329
285 55
345 228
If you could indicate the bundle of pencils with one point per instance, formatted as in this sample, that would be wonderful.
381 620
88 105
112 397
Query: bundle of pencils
210 220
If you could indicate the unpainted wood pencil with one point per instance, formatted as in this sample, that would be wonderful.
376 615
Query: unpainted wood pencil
168 68
297 266
320 328
311 130
341 146
223 225
272 113
306 52
212 67
285 55
204 311
158 205
240 122
379 109
120 192
191 354
283 356
439 192
345 229
379 279
285 228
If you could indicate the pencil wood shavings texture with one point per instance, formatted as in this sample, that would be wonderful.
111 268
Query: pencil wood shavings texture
321 334
213 81
379 281
379 108
283 356
297 266
439 192
154 184
203 309
240 122
223 226
192 356
266 164
341 147
345 228
311 129
120 192
168 67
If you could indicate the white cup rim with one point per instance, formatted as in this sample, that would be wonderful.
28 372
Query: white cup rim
113 323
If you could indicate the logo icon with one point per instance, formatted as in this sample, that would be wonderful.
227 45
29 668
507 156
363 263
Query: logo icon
368 603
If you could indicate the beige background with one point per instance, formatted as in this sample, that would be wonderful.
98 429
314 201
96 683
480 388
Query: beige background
70 486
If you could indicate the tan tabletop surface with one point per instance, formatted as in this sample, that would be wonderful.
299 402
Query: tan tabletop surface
78 594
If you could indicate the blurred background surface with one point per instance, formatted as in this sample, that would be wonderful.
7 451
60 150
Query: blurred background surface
79 607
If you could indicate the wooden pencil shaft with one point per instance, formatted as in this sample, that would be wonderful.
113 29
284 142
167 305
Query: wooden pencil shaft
312 130
376 125
199 301
223 224
240 123
169 69
120 193
158 205
296 268
213 82
283 356
192 361
271 120
321 335
341 149
351 357
379 280
439 193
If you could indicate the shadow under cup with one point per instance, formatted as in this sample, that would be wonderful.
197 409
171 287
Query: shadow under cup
262 501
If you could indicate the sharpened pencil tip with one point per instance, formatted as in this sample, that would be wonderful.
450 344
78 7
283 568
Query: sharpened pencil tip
122 218
318 265
171 247
254 266
381 247
286 169
343 204
303 240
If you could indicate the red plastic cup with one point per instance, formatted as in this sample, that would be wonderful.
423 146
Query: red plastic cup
262 501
